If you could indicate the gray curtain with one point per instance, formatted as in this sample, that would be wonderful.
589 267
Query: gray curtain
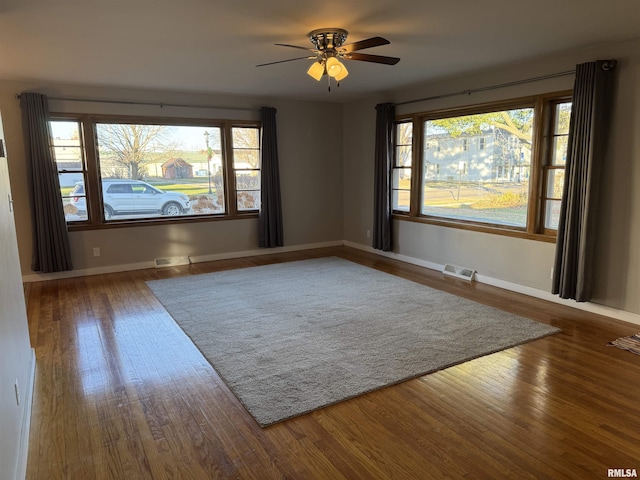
270 217
588 132
51 251
382 235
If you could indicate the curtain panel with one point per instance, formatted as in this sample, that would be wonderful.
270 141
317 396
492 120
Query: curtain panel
383 163
270 229
588 132
51 250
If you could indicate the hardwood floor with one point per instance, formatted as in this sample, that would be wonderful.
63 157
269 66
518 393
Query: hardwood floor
122 393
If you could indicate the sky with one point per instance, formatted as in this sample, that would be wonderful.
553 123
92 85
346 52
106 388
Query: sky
187 138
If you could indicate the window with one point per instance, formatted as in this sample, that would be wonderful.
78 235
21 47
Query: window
68 151
512 183
556 139
139 171
246 166
489 186
402 166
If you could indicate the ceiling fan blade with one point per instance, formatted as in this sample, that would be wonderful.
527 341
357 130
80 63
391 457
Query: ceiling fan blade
288 60
362 44
296 46
363 57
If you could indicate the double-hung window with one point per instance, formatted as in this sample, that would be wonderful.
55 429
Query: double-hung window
246 167
132 171
496 167
555 148
402 159
69 152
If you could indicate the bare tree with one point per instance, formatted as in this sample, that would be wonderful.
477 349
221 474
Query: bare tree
130 147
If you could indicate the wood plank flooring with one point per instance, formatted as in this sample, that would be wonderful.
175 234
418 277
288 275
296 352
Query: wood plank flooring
121 393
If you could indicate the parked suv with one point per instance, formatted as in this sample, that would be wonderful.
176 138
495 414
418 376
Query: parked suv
133 197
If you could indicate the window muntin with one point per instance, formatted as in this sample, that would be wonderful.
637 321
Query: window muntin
487 185
246 167
137 171
402 160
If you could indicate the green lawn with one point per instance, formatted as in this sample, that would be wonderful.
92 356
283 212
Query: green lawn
194 187
187 189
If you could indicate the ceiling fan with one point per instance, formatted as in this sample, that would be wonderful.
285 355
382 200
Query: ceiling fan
330 49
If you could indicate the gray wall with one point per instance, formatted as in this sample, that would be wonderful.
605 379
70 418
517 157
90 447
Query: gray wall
310 139
524 262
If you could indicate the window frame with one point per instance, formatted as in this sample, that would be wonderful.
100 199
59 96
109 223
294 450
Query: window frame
541 155
232 172
92 176
549 135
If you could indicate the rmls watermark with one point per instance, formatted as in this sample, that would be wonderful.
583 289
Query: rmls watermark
622 473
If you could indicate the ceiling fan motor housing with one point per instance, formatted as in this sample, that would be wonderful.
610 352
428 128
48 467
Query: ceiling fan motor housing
328 38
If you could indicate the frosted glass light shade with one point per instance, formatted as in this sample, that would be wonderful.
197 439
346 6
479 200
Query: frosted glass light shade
316 70
343 74
334 67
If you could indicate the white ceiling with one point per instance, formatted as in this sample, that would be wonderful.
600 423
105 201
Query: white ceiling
213 46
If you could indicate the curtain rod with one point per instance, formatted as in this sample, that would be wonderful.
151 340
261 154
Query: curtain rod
491 87
151 104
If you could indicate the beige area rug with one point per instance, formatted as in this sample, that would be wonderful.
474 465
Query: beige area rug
294 337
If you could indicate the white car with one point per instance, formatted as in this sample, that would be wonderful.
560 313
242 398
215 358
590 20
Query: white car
133 197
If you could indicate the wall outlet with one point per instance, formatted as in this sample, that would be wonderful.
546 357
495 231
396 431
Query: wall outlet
368 233
15 385
96 251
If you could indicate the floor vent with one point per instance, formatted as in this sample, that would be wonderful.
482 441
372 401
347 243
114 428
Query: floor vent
459 272
172 261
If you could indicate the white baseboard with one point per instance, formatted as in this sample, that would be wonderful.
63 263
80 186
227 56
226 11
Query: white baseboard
585 306
514 287
23 445
396 256
39 277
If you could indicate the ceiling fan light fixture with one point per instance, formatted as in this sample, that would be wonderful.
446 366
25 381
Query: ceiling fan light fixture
334 67
343 74
316 70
